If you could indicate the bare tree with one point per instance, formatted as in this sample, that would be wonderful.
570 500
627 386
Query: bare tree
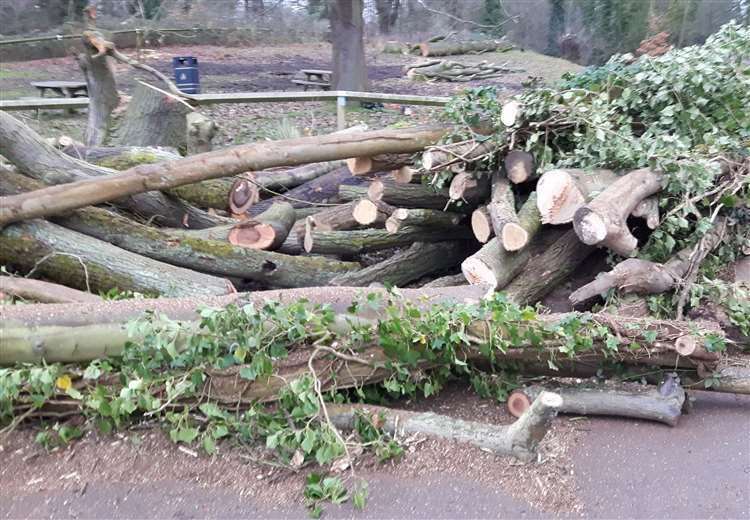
387 11
347 35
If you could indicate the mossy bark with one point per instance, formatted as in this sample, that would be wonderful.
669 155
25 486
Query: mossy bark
363 240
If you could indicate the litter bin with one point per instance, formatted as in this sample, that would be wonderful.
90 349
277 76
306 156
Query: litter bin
186 74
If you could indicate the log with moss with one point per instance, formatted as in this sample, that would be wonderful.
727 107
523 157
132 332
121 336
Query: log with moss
202 250
421 217
419 260
408 195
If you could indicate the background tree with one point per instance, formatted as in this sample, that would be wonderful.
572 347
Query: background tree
556 27
493 13
387 13
347 36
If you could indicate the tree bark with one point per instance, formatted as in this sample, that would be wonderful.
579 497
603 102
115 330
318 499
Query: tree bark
154 118
266 231
519 167
408 195
433 218
369 213
421 259
86 263
43 292
494 265
363 240
519 440
334 218
347 32
102 90
504 219
561 192
634 275
451 280
470 188
663 405
603 221
447 48
378 163
219 163
201 250
34 157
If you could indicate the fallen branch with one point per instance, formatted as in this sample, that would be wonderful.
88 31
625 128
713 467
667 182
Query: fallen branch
43 292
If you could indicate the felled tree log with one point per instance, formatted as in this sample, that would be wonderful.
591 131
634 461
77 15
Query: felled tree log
406 175
23 147
603 221
219 163
154 118
362 240
248 189
519 166
121 157
200 133
408 265
86 263
453 71
548 269
634 275
201 250
471 188
43 292
494 265
368 212
408 195
353 192
446 48
560 193
340 217
519 439
504 220
101 87
451 280
445 155
421 217
392 47
267 230
662 405
378 163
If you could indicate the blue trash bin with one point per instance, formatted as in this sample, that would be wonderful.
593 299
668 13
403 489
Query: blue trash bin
186 74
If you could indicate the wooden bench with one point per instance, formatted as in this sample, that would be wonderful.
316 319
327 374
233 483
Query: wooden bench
315 78
69 89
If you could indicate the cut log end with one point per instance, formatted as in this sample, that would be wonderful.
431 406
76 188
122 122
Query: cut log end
518 403
590 227
510 112
392 224
365 212
404 175
478 273
514 237
481 225
252 235
359 165
685 345
242 195
375 191
558 197
519 166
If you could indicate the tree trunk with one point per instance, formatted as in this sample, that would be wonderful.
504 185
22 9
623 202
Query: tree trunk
505 222
266 231
519 439
663 405
363 240
219 163
34 157
334 218
561 192
421 259
494 265
603 221
369 213
447 48
86 263
43 292
154 118
408 195
433 218
379 163
347 33
547 270
206 251
102 90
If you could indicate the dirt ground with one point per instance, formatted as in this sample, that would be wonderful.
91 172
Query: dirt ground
254 69
594 468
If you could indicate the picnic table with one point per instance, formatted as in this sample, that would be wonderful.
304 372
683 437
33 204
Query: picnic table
315 78
69 89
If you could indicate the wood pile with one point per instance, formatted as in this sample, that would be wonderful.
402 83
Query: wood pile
445 45
445 70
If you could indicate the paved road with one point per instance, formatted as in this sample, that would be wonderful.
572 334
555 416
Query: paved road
625 469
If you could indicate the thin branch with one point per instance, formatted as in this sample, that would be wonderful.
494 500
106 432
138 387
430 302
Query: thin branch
461 20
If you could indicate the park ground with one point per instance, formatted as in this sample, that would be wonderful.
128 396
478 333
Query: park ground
588 467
